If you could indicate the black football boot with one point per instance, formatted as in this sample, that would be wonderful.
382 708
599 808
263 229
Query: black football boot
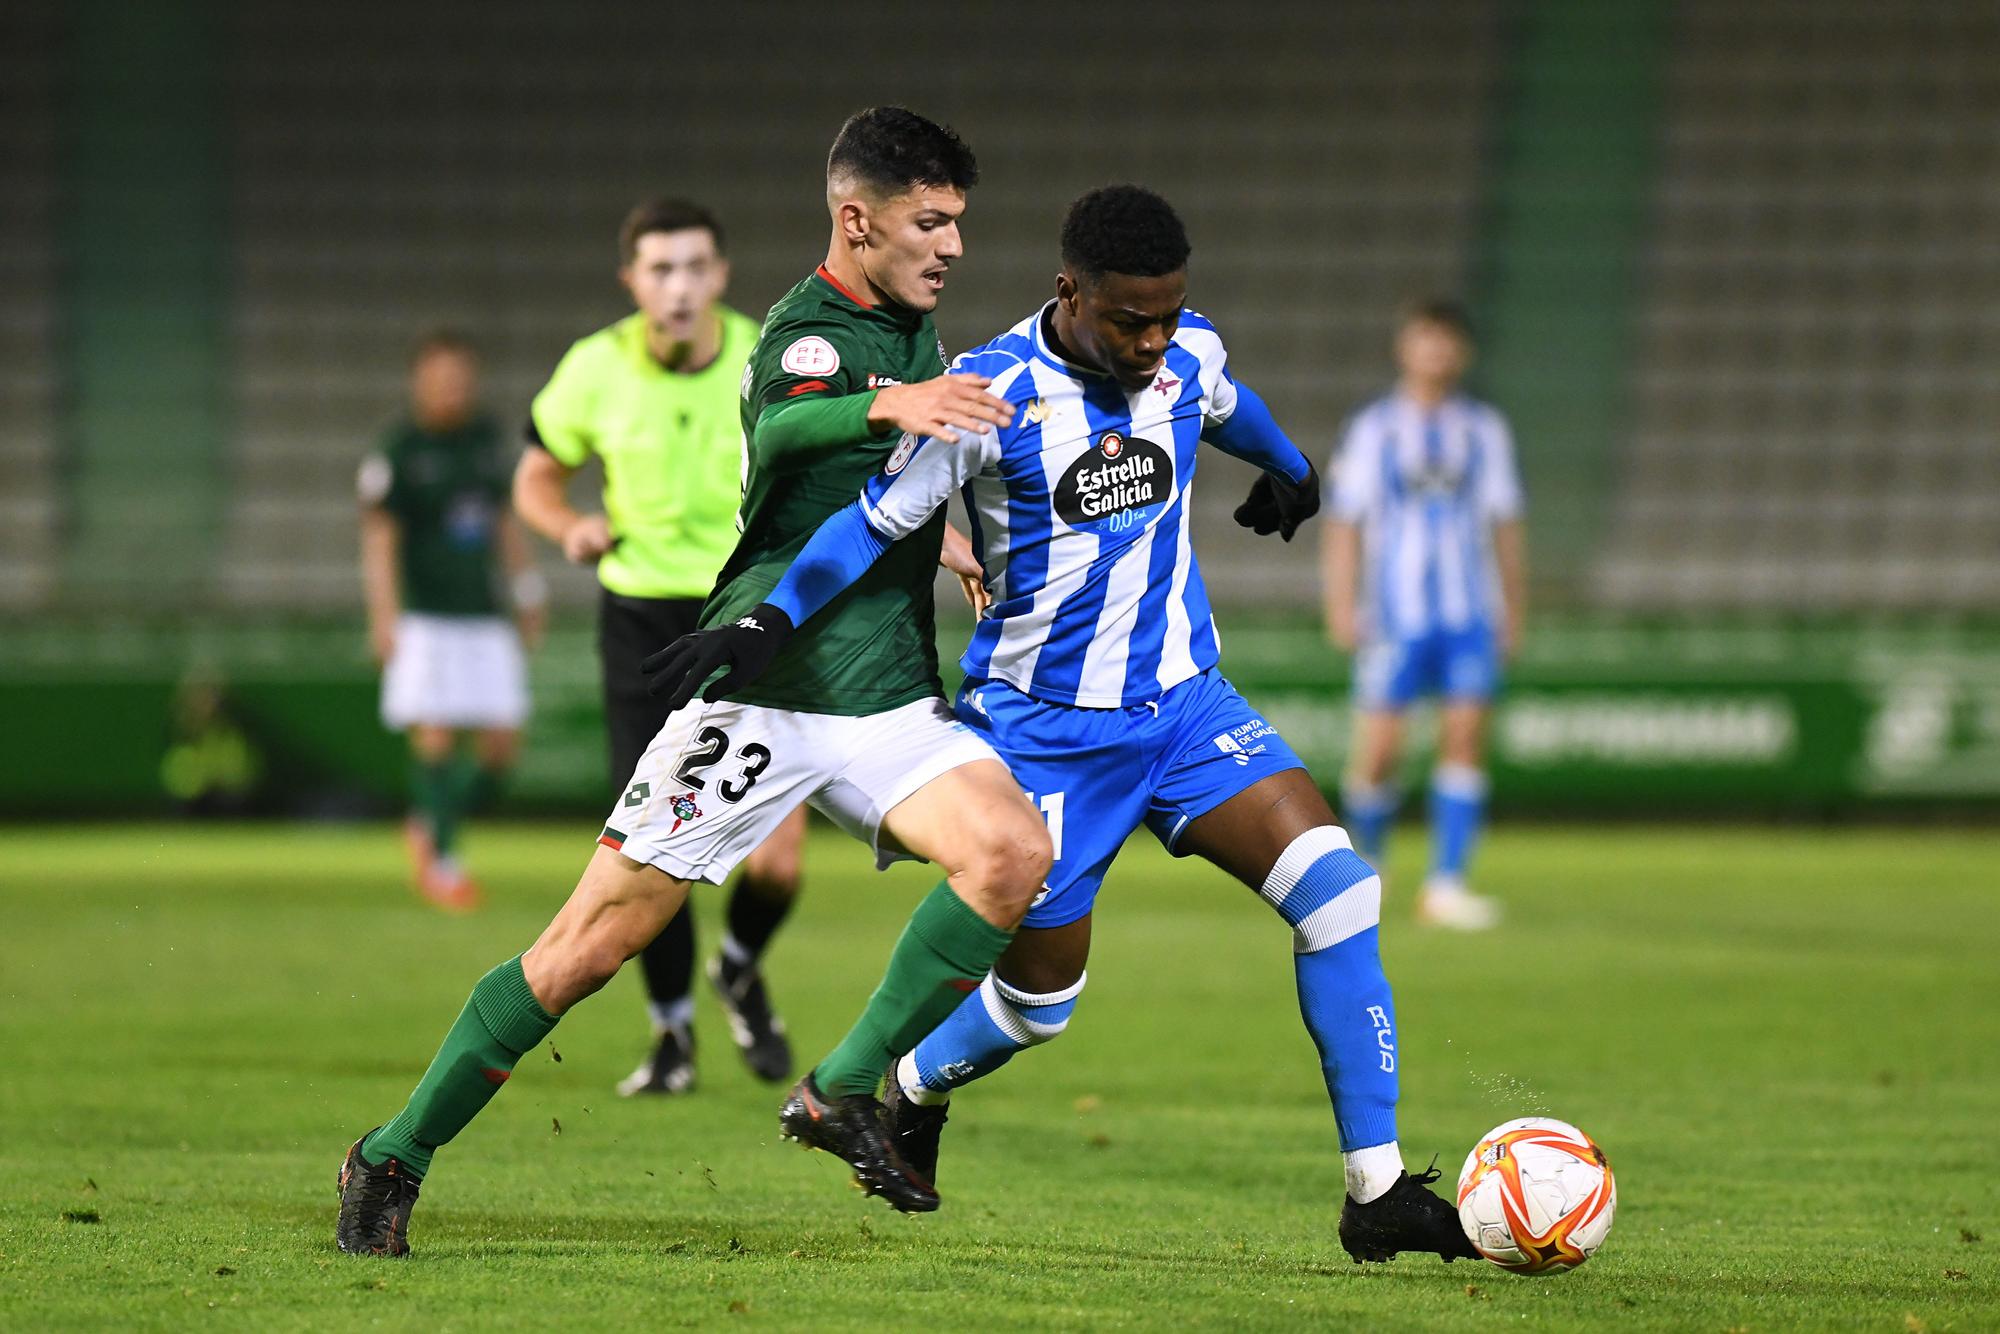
850 1128
1406 1217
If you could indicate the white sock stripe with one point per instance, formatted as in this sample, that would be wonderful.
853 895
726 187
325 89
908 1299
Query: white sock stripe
1347 914
1020 997
1297 859
1459 780
1004 1016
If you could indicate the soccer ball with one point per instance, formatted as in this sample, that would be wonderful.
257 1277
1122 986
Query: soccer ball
1536 1194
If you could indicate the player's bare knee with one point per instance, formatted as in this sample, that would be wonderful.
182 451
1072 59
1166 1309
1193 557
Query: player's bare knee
1009 866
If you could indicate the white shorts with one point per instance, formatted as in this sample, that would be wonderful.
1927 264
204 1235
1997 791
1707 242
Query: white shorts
455 671
719 778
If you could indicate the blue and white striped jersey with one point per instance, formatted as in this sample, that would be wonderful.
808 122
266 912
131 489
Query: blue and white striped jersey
1426 488
1079 513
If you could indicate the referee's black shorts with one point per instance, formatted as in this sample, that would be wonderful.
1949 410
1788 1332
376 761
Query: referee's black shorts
628 631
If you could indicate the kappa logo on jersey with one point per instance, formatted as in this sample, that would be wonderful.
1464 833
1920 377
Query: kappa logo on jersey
1120 483
811 355
684 809
1038 411
906 449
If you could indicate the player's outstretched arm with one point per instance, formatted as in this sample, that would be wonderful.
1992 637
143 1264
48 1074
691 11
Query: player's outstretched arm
838 554
916 481
1288 492
792 434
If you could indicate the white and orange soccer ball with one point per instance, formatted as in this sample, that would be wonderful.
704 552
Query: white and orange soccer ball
1536 1195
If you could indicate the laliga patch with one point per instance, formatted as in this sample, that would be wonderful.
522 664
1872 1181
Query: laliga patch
906 449
1119 484
811 355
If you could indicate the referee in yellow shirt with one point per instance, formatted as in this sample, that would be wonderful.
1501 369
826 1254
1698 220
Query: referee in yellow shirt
655 397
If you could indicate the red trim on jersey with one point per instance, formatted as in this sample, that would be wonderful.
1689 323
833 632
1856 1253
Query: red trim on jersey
842 288
810 386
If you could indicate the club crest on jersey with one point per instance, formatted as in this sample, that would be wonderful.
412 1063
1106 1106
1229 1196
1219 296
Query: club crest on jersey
906 449
811 355
1121 482
684 808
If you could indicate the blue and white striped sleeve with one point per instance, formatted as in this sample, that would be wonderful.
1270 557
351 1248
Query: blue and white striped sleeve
918 478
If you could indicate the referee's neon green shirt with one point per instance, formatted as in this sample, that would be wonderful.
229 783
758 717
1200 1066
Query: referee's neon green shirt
672 446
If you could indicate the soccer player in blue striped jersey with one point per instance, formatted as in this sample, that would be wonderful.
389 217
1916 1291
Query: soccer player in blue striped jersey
1094 674
1425 575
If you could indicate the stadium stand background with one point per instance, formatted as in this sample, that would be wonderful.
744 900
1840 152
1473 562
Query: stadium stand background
1734 267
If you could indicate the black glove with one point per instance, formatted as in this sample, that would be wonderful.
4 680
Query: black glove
745 647
1278 506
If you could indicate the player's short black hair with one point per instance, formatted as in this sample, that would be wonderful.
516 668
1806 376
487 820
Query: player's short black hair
443 338
662 214
889 150
1123 229
1447 311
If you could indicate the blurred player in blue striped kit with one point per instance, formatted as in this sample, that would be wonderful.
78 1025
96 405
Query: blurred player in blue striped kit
1093 673
1425 575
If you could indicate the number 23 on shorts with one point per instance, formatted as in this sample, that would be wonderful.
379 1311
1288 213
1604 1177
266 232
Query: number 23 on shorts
713 745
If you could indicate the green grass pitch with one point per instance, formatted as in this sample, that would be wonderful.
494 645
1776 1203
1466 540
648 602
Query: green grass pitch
1788 1041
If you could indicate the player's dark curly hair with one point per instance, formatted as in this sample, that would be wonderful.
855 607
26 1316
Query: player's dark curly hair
1123 229
889 150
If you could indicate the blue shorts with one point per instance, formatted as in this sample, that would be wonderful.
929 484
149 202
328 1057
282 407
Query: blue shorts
1098 774
1459 665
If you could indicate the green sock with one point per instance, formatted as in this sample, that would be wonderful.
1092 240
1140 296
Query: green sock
434 792
479 787
942 954
500 1024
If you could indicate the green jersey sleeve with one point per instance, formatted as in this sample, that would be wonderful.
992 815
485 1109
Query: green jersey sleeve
564 413
808 392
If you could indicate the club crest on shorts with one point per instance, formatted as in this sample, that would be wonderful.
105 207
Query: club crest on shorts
906 449
684 809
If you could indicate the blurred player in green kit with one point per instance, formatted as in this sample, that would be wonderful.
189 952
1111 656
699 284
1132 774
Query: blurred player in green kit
436 538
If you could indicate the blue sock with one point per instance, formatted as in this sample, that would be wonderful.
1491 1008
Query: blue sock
1458 809
983 1034
1367 812
1333 900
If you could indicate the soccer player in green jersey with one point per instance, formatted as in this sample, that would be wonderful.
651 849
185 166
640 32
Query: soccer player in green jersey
849 714
435 534
654 396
